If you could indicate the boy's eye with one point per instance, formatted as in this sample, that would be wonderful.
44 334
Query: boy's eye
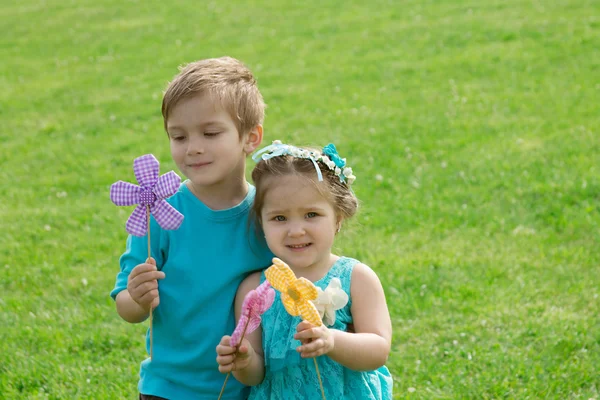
311 214
211 133
279 218
177 138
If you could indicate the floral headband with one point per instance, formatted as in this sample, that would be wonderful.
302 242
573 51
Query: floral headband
329 156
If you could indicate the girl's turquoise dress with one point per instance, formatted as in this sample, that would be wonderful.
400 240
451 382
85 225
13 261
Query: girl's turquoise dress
289 377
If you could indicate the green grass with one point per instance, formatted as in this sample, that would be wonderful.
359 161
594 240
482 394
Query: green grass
472 128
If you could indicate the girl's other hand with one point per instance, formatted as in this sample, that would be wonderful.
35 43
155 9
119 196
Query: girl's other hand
316 340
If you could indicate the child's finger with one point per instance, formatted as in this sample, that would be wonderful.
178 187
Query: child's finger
225 340
225 359
225 350
306 334
156 301
149 298
311 347
312 354
142 268
224 368
303 326
145 277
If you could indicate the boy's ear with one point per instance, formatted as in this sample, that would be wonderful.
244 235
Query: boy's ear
253 139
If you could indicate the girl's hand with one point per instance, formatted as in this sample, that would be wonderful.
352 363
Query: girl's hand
231 359
142 284
316 340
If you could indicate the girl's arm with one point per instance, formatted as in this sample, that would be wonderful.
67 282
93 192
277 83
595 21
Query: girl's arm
369 347
247 364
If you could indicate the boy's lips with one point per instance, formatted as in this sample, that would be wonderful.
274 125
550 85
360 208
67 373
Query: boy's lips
198 164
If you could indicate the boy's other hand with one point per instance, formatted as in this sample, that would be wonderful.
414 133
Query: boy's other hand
142 284
231 359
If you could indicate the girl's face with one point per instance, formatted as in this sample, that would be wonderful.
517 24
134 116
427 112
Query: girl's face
299 223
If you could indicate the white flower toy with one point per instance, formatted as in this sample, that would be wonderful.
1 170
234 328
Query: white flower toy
329 300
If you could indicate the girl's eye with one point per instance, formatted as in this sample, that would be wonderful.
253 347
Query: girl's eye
178 138
211 133
311 215
279 218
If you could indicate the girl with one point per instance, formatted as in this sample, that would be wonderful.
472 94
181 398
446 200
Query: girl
302 198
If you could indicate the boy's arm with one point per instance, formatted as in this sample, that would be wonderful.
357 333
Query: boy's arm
133 303
130 262
128 309
369 347
254 373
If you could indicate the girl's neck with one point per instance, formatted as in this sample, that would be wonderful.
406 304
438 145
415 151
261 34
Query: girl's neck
220 196
317 271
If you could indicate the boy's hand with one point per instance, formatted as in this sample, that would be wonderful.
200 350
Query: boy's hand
142 284
316 340
231 359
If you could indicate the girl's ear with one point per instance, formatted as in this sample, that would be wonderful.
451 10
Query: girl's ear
253 139
339 224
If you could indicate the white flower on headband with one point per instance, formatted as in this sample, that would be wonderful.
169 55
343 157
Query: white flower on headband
329 300
349 175
330 164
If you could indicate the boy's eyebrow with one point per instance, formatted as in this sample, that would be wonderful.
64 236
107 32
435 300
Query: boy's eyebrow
202 125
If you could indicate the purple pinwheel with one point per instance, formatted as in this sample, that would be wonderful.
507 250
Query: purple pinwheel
255 304
149 196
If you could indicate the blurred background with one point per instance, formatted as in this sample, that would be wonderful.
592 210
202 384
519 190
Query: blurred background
472 128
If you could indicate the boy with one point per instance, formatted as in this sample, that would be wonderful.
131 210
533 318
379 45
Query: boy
213 114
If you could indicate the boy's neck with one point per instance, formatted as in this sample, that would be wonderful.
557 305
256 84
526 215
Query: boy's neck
220 197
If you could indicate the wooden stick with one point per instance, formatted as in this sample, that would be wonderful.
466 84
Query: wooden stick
319 376
149 256
237 348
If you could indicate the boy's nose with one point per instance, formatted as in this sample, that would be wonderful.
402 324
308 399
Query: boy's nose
195 146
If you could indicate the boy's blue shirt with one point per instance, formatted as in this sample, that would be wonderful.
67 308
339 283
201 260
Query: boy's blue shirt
204 262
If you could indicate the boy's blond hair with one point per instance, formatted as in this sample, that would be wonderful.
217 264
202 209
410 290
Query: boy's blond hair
228 80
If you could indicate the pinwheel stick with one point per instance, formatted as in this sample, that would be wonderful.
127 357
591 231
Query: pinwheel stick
149 255
319 377
236 349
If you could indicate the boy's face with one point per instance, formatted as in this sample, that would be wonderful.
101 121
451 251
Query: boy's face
205 143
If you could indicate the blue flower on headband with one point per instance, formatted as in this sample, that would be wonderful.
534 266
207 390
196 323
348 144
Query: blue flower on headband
331 152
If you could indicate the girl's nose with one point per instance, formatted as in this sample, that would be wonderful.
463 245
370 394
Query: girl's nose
296 230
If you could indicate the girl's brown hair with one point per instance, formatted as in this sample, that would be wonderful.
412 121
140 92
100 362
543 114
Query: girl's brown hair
338 193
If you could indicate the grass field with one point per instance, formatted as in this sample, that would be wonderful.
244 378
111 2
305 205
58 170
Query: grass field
472 127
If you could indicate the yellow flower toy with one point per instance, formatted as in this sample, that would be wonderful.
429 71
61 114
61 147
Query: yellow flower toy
296 294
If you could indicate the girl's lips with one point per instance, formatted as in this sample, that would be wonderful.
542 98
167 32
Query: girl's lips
298 247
